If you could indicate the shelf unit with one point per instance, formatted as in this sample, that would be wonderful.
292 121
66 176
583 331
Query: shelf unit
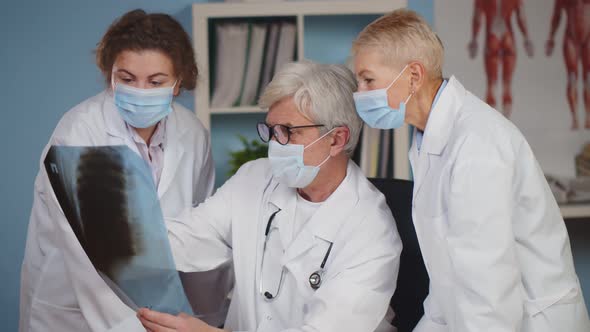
203 13
570 211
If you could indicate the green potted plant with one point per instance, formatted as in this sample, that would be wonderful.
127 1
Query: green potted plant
252 150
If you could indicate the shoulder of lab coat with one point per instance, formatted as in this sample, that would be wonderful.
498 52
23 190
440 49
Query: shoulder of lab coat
82 123
207 228
371 218
458 114
199 138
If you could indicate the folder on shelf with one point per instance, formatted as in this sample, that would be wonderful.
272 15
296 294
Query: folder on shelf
270 52
254 64
232 44
286 47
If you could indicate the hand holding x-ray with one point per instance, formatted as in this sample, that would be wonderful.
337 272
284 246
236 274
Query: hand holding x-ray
109 199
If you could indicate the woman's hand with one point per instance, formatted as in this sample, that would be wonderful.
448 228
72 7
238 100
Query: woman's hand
155 321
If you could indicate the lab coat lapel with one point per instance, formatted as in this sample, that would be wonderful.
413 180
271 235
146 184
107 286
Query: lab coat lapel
283 198
328 219
439 128
420 164
174 149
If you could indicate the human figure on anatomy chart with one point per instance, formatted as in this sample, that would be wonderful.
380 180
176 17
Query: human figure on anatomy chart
576 48
500 48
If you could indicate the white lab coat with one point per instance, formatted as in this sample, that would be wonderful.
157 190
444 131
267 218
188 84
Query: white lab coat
494 243
60 289
360 272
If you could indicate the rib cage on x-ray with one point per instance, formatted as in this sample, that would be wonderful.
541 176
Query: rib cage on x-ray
102 196
109 199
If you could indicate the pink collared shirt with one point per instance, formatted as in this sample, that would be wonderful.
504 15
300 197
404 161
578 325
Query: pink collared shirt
154 153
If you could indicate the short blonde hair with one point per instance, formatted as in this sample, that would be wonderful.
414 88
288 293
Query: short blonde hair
322 94
403 36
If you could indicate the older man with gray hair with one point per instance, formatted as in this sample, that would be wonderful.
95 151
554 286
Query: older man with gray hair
313 243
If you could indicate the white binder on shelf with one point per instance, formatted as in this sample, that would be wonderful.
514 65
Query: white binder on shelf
270 53
254 66
287 44
232 44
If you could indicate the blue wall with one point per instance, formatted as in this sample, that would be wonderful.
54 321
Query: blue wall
47 60
47 63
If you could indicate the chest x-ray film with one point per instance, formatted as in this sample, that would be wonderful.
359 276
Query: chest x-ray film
109 199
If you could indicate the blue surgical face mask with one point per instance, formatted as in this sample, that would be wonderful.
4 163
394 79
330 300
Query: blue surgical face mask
286 162
373 107
143 108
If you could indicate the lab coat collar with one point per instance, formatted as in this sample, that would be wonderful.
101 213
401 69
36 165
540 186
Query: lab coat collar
439 128
441 120
327 220
174 149
174 146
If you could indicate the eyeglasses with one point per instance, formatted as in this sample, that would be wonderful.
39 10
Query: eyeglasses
280 132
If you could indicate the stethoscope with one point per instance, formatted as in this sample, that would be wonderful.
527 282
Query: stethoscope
315 279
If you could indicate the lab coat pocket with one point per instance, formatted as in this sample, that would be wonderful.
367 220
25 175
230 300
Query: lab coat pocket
426 325
307 264
565 311
49 317
385 325
54 304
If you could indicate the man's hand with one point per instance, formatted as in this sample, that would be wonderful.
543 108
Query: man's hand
155 321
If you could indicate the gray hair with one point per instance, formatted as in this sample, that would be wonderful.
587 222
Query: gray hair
403 36
321 92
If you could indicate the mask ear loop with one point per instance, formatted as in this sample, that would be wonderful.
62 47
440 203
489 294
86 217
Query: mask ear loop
324 135
397 77
412 91
409 97
325 160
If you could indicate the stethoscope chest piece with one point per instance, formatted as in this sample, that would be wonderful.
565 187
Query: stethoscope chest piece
315 280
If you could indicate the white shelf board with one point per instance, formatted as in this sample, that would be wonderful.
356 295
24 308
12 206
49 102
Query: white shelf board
575 210
238 110
294 8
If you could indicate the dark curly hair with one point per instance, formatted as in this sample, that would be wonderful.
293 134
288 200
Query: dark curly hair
138 31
